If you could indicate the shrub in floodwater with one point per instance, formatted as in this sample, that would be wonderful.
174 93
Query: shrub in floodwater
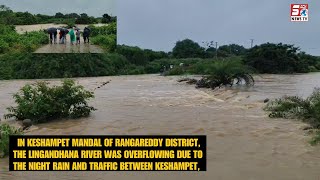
293 107
42 103
6 131
226 73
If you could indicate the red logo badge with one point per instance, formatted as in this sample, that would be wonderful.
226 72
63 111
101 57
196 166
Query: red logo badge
299 12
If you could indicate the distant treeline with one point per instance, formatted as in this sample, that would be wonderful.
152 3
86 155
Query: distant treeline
126 60
16 60
7 16
264 58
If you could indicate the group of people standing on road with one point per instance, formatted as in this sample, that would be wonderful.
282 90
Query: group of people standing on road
74 33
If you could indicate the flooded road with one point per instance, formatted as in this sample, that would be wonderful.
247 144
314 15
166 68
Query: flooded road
243 143
68 48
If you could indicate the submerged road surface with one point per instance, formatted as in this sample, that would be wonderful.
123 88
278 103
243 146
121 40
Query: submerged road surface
57 48
68 48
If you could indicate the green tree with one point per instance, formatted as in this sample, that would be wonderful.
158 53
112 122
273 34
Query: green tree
85 19
232 50
188 49
276 58
72 15
106 18
59 15
4 8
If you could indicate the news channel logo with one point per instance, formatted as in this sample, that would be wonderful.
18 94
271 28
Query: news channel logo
299 12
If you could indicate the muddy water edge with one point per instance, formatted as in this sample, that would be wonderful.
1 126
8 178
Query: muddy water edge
243 143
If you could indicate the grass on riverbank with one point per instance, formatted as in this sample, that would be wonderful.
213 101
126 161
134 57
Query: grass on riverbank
293 107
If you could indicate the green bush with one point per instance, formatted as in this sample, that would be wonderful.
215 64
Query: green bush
226 73
109 42
10 40
313 69
110 29
42 103
4 46
293 107
132 69
138 56
41 66
6 131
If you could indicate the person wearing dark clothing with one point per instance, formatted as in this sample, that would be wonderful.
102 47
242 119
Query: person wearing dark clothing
51 37
55 37
65 35
62 36
86 34
52 33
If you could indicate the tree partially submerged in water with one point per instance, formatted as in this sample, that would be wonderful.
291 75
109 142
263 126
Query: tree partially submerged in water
42 103
225 73
293 107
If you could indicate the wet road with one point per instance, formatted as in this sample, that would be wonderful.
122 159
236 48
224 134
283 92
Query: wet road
69 48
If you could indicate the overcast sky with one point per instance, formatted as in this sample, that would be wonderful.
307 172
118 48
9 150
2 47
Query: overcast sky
158 24
50 7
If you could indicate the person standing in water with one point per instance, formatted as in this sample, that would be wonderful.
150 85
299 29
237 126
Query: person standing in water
72 36
55 36
51 37
86 34
78 36
66 32
62 36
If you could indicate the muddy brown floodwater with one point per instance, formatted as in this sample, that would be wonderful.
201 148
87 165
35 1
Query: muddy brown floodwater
243 143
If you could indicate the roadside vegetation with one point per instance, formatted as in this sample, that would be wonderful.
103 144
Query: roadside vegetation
11 41
293 107
44 66
105 36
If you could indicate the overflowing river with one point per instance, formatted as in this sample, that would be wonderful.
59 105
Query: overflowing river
243 143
